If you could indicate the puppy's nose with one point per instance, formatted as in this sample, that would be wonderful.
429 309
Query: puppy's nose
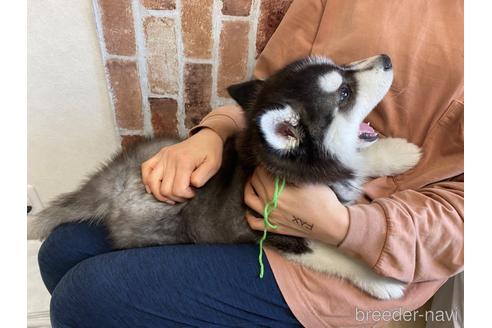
386 62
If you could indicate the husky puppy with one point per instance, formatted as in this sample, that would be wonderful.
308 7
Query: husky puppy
302 125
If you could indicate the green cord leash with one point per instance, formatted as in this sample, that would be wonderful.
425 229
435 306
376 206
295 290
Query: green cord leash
269 208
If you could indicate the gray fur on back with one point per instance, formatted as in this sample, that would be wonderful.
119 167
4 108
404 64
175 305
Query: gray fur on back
116 197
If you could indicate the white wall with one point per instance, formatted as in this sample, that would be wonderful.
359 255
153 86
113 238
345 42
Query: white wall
70 123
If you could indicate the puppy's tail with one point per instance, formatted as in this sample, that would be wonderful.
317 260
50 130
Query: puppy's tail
70 207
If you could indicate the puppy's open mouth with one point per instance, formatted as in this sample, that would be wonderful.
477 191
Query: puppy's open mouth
367 133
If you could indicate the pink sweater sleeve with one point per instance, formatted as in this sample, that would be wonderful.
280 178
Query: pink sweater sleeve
225 121
411 235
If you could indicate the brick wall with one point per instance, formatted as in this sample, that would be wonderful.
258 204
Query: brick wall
168 62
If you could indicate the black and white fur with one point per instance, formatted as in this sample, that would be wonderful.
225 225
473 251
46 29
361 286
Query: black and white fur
302 125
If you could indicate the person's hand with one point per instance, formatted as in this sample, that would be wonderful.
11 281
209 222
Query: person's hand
171 172
310 211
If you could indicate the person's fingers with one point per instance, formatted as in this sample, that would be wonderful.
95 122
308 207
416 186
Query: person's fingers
252 200
166 188
264 181
259 225
181 186
255 197
259 187
154 182
255 223
147 168
203 173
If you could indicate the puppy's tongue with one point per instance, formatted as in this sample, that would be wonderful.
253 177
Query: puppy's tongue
367 133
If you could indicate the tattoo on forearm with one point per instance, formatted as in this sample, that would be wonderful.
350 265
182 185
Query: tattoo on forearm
303 224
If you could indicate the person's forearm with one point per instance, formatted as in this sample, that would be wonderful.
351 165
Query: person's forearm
411 235
226 121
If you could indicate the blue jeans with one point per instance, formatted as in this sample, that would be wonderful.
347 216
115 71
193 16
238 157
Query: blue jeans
166 286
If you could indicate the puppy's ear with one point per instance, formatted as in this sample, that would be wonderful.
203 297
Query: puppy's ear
245 93
281 129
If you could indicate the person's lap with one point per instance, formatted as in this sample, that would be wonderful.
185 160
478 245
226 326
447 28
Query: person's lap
166 286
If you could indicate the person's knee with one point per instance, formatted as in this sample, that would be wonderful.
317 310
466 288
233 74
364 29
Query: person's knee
54 245
64 299
54 257
61 310
70 300
66 246
87 296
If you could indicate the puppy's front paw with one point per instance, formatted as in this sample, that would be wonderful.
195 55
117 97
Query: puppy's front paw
405 155
391 156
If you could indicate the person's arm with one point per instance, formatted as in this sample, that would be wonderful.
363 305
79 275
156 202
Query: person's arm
412 235
226 121
171 173
310 211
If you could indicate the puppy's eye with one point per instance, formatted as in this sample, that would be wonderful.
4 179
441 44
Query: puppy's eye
343 93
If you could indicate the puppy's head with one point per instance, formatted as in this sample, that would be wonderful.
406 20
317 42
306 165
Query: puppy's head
309 113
